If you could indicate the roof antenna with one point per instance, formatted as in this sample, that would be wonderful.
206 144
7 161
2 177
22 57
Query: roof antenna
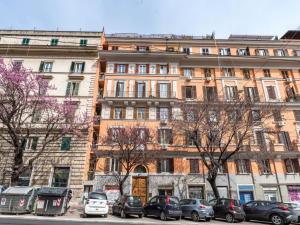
213 35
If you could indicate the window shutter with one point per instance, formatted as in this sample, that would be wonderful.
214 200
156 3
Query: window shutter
158 166
169 91
275 52
296 165
288 141
107 165
68 89
123 115
147 113
126 68
157 90
204 93
170 113
286 53
157 69
135 113
171 161
248 165
267 52
194 93
158 135
256 94
147 68
170 137
34 143
246 91
83 65
41 66
72 67
157 113
256 52
115 68
112 112
137 68
136 89
237 166
183 92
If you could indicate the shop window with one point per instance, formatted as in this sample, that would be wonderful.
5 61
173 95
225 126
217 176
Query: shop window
60 177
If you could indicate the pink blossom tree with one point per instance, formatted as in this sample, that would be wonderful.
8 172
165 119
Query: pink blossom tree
27 110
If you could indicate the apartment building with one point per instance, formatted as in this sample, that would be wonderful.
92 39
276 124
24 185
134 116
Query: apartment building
68 60
142 79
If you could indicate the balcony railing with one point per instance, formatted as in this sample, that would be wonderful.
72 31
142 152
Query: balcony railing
140 94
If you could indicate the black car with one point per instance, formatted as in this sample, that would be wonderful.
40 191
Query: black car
275 212
229 209
128 205
163 207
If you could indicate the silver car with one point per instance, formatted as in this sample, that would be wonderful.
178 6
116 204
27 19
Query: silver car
294 207
196 209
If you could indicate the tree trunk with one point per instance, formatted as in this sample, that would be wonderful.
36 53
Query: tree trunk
212 181
17 165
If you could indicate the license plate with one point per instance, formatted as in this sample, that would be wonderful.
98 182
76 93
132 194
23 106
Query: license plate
40 204
3 201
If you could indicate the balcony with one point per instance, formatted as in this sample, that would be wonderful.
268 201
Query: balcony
142 95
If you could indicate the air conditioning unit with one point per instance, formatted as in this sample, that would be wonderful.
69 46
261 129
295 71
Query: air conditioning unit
208 79
280 123
288 79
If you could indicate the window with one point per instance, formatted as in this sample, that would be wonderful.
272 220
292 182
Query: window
121 68
223 168
231 92
205 51
197 192
210 93
266 73
141 89
60 177
163 69
194 165
17 64
118 114
213 116
208 72
72 88
255 115
280 52
292 165
224 51
31 143
243 166
187 72
24 178
140 113
115 48
260 138
83 42
265 166
243 52
271 93
277 115
46 67
284 138
37 116
261 52
228 72
190 92
142 48
297 115
192 137
165 166
65 143
25 41
251 94
120 86
142 68
165 136
188 51
164 113
246 74
285 74
163 90
170 49
77 67
113 165
54 42
297 52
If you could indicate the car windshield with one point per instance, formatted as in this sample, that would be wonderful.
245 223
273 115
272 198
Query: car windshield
133 199
100 196
174 200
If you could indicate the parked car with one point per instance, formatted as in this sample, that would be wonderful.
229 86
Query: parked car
295 209
96 204
2 188
275 212
163 207
128 205
196 209
228 209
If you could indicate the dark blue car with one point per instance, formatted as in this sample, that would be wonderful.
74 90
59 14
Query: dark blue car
163 207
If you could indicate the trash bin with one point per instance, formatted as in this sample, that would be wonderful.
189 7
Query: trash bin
17 200
52 201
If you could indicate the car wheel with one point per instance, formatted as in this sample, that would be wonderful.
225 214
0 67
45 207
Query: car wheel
247 219
276 219
229 218
178 218
195 216
123 214
141 216
207 219
105 215
163 216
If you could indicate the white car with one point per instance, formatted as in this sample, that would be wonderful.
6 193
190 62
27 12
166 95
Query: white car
295 209
96 204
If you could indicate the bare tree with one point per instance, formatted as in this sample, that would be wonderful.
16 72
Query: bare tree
129 146
218 130
27 112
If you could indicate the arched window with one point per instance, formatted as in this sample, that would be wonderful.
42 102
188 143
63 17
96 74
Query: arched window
140 169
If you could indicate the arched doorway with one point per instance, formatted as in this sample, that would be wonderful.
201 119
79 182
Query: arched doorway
140 183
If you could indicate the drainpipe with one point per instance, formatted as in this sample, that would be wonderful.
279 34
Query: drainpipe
277 180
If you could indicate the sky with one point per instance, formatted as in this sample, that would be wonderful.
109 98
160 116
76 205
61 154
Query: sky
189 17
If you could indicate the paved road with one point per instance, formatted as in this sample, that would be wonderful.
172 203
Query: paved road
112 220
